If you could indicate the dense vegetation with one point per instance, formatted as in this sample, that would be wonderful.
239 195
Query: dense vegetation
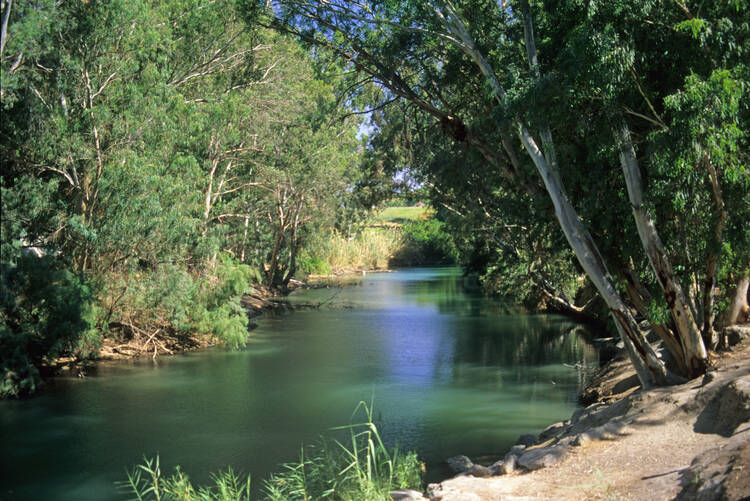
160 157
587 155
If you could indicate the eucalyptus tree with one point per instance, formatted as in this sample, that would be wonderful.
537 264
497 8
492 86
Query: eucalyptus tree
417 51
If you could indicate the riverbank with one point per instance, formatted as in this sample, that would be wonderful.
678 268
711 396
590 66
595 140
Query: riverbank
142 344
684 442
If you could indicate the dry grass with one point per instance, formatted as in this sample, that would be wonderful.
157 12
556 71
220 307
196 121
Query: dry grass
369 250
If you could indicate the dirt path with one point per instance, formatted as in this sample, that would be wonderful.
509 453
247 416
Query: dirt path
686 442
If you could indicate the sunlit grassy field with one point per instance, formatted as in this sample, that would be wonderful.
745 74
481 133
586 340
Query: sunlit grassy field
402 214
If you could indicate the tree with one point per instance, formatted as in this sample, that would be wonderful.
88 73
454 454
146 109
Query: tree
411 51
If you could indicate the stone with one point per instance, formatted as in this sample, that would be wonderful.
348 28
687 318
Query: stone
735 333
516 450
551 431
478 470
443 492
718 474
460 464
407 495
543 457
504 467
581 439
526 440
734 406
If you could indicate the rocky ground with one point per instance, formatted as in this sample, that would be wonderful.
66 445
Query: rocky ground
687 442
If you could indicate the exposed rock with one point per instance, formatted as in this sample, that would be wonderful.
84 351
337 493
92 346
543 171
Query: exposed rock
444 492
536 459
551 430
607 431
464 465
504 466
516 450
407 495
727 410
615 378
460 464
734 408
478 470
736 333
581 439
526 440
719 474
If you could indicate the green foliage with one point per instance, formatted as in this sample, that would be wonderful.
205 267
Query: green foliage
312 265
143 140
223 316
44 316
675 73
361 469
425 242
147 482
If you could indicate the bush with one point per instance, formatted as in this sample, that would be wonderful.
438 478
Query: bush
425 242
45 315
174 299
308 264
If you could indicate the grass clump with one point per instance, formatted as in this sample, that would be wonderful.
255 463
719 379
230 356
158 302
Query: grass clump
147 483
359 469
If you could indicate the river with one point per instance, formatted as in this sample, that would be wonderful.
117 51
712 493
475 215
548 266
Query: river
450 372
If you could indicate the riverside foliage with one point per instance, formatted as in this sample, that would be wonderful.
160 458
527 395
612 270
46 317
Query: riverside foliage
361 468
590 155
161 157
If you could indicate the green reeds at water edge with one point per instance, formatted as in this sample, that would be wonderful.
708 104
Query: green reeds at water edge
363 469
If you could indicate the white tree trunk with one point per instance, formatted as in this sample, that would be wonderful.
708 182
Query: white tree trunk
712 263
694 351
738 308
649 367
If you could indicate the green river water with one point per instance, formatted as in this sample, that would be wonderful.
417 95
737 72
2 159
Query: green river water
451 373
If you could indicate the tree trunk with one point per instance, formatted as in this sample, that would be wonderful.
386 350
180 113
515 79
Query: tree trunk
293 244
694 352
639 298
649 368
709 333
738 308
271 274
4 29
244 240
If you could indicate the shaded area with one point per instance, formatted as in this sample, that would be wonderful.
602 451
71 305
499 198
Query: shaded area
451 372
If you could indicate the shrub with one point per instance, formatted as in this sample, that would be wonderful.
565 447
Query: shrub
45 315
425 242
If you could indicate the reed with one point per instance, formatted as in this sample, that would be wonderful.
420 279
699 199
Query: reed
360 469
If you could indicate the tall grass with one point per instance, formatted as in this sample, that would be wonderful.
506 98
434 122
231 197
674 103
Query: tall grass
146 482
360 469
370 249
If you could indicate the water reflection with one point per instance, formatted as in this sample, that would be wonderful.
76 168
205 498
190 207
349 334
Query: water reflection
452 372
